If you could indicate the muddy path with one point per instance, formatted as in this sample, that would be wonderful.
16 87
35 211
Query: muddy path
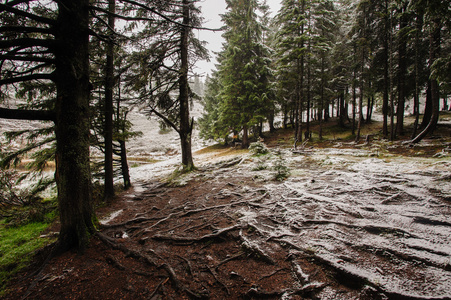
345 224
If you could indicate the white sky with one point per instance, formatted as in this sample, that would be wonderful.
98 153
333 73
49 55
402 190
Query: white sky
211 11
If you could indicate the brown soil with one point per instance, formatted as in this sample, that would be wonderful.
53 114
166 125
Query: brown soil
189 240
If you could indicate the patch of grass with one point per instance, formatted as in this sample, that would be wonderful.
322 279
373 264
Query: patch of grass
212 148
17 245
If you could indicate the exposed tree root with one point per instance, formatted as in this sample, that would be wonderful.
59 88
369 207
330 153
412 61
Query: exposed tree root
176 283
190 240
306 290
272 274
112 261
233 257
213 272
158 287
253 248
374 229
428 221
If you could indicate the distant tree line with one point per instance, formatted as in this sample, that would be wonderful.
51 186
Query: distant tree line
324 58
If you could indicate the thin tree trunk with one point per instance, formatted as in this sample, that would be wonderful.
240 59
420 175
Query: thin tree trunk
122 144
354 102
416 96
385 99
391 69
109 110
245 142
402 74
73 174
185 126
321 104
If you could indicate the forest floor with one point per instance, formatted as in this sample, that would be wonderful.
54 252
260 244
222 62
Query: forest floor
344 221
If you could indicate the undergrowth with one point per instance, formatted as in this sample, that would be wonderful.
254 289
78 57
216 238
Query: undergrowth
17 246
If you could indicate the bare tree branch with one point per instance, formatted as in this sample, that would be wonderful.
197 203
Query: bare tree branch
169 122
27 58
16 2
165 17
23 114
26 29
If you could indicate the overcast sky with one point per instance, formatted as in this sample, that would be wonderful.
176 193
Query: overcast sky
211 10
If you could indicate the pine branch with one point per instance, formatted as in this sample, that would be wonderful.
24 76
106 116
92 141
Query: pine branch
8 8
27 78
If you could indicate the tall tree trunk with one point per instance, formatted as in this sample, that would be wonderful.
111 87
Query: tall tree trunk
300 68
416 96
109 110
354 101
186 126
391 70
427 106
73 174
434 53
309 96
321 104
369 106
122 144
271 117
402 73
124 165
385 99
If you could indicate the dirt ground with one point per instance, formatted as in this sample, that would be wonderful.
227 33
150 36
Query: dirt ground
347 223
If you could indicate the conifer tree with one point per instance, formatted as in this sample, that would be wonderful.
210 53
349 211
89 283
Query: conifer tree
245 69
291 51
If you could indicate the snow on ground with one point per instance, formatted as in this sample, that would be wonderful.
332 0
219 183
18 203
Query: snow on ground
383 219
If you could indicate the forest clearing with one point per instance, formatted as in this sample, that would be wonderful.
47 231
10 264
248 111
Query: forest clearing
344 221
311 162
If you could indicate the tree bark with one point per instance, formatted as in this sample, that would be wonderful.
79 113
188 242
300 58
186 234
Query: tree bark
185 126
416 96
109 109
245 142
402 45
73 174
385 99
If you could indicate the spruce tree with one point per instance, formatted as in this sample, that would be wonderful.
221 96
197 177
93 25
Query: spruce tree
245 69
